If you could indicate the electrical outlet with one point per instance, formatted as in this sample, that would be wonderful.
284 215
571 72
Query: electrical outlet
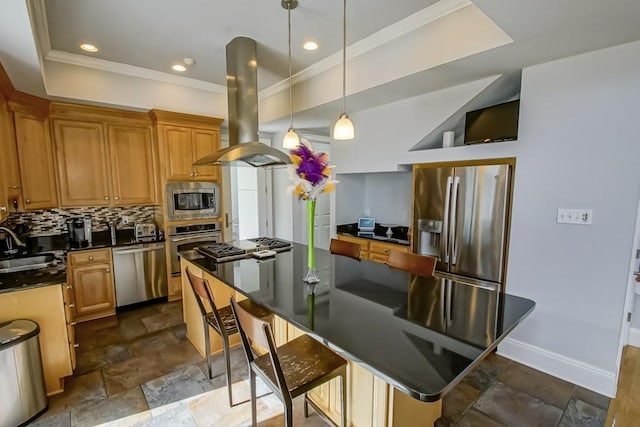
125 219
575 216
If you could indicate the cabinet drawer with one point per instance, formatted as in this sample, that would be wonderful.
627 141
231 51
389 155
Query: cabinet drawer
89 257
383 248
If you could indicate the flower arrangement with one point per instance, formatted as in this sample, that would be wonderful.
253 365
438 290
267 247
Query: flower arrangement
310 172
311 176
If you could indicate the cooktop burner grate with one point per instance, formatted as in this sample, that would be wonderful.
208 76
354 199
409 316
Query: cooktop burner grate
270 243
221 251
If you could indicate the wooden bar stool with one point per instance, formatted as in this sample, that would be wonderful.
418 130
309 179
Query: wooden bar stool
221 320
413 263
290 370
342 247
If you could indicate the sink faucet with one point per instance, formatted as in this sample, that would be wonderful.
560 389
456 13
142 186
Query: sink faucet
13 235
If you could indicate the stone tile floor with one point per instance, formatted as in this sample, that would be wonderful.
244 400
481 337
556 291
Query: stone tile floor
140 370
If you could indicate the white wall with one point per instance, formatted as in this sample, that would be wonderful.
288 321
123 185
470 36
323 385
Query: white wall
576 149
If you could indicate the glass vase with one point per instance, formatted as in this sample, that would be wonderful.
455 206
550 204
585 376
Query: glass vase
312 273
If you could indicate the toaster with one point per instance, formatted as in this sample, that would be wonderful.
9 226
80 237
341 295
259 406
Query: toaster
145 232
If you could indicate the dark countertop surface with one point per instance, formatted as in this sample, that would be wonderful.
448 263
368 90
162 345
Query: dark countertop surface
423 335
59 245
399 233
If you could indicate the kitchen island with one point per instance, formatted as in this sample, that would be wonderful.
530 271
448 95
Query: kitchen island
386 322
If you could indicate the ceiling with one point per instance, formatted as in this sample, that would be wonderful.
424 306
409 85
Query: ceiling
396 49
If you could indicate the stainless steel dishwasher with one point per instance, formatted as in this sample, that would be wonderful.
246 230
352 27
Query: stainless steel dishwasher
140 273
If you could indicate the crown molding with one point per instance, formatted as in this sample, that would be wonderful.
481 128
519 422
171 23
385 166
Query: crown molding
131 70
379 38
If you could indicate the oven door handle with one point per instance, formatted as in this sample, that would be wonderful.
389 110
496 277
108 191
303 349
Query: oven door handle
195 238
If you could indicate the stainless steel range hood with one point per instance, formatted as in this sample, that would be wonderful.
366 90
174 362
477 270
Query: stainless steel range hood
242 94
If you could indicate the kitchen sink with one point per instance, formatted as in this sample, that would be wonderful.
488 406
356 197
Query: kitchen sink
26 263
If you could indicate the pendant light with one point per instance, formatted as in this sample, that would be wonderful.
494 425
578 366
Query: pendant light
291 139
343 130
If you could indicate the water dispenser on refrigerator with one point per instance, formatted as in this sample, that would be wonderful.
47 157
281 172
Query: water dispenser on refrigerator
429 232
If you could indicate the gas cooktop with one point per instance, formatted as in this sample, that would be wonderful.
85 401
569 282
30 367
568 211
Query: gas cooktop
242 248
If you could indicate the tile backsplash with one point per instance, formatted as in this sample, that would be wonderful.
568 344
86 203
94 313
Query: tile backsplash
52 221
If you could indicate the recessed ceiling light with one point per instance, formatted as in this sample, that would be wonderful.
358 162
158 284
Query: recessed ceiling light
310 45
179 67
87 47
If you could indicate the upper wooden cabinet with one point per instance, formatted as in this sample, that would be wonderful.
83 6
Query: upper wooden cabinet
35 158
9 171
183 140
132 171
82 163
102 159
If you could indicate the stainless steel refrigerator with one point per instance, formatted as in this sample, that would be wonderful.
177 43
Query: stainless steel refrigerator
460 216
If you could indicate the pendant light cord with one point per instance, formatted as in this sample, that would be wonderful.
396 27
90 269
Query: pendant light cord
344 56
290 92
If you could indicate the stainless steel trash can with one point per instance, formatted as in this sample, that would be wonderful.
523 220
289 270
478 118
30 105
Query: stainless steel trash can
22 388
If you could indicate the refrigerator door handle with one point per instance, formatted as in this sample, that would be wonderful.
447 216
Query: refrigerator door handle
443 304
454 213
448 308
444 237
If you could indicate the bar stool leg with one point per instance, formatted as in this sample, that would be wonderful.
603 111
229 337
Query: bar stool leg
254 409
227 360
305 407
207 345
288 413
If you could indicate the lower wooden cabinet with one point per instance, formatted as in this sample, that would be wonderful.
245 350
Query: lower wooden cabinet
374 250
46 306
90 274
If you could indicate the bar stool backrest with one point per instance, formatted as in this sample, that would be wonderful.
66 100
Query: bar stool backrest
342 247
413 263
203 293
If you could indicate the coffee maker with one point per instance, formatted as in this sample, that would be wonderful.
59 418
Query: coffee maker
79 230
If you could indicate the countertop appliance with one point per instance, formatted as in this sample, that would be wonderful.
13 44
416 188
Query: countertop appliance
145 232
192 200
79 232
238 249
460 214
188 237
140 273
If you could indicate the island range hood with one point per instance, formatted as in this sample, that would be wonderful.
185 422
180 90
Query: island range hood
242 94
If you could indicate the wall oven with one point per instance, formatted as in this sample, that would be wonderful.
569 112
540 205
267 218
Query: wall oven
188 237
192 200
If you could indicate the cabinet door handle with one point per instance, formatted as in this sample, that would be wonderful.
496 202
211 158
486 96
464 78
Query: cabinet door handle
106 197
195 174
72 305
117 198
76 345
28 202
191 174
90 258
15 187
73 323
108 270
3 208
69 287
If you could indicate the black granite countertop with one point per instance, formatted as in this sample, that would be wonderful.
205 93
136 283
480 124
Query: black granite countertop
58 244
399 233
390 322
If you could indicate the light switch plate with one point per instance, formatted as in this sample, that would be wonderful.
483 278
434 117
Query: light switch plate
575 216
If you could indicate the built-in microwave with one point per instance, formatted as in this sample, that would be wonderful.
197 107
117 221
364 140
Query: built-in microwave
192 200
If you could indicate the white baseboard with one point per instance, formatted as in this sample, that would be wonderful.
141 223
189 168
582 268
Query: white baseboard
574 371
634 337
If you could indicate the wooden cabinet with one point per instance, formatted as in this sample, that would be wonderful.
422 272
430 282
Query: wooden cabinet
69 304
82 163
9 173
90 275
36 163
132 165
104 164
44 305
184 139
183 146
374 250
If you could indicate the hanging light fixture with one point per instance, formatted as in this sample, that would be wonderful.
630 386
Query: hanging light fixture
291 139
343 130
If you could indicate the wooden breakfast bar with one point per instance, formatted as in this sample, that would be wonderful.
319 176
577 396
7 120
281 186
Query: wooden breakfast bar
408 340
